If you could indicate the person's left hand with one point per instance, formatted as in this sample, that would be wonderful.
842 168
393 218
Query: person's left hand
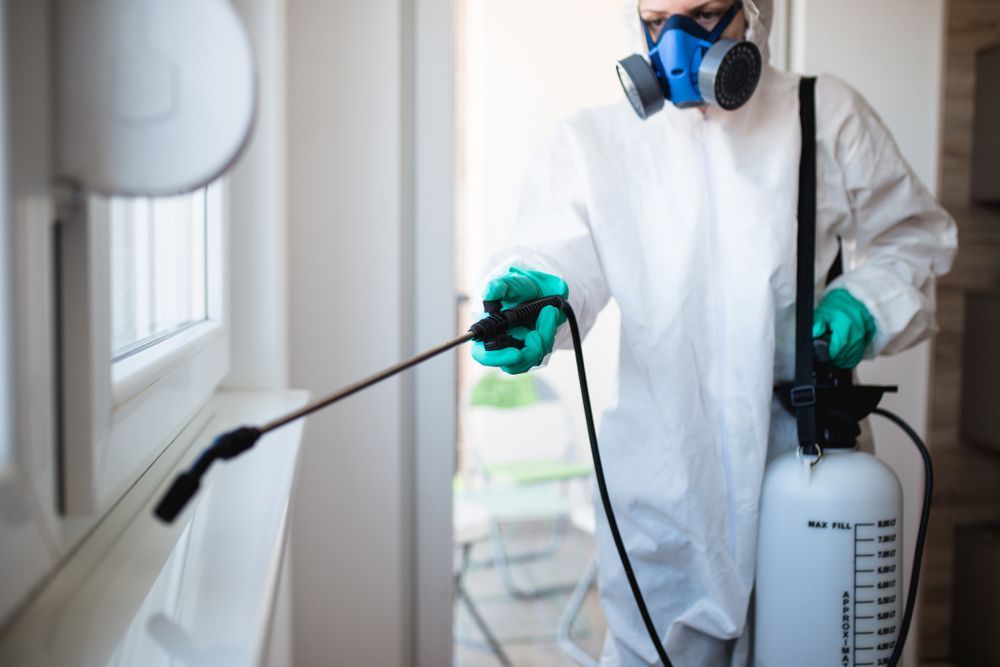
850 325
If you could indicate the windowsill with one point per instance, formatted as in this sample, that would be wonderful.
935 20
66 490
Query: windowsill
200 590
137 372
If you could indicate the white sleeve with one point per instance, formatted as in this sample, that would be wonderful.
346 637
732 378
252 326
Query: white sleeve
552 232
900 239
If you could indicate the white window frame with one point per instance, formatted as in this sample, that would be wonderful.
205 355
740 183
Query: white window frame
118 416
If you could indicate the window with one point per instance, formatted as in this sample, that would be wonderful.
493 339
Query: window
158 269
144 341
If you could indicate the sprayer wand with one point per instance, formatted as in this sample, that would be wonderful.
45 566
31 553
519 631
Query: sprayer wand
233 443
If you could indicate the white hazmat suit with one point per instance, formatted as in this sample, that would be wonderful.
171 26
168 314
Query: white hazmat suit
688 221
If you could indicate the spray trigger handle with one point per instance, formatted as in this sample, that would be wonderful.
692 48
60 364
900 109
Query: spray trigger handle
493 329
503 342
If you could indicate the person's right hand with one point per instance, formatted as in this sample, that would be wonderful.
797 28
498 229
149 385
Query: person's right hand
515 287
850 325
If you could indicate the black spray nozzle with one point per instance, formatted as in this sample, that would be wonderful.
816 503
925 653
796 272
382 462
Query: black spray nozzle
498 322
177 496
225 446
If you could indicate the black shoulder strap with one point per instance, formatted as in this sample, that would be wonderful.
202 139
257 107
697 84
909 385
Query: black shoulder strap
803 394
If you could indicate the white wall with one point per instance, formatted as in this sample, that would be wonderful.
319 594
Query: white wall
6 342
892 52
350 579
369 271
433 297
257 208
258 256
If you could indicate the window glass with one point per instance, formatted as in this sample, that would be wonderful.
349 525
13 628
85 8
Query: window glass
158 272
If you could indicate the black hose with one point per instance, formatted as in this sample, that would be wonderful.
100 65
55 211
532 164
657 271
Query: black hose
918 549
603 487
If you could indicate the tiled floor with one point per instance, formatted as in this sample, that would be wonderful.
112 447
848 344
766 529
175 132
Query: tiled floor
527 628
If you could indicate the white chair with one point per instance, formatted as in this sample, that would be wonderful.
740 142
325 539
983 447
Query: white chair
471 525
584 519
522 442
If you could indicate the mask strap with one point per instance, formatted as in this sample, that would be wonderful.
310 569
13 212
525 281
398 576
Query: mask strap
645 30
724 22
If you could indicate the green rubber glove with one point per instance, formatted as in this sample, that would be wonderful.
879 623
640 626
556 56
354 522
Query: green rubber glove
514 288
850 325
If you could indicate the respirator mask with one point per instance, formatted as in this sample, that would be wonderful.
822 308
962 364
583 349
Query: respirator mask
691 66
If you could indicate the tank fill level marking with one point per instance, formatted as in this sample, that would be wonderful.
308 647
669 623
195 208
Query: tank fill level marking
875 594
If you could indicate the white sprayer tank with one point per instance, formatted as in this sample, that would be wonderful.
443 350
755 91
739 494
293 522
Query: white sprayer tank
830 587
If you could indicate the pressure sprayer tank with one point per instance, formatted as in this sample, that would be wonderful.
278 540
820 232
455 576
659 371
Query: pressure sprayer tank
830 583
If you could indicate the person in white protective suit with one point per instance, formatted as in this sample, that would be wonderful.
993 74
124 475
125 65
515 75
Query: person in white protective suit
688 220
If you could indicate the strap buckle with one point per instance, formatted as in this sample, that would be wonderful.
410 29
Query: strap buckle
803 395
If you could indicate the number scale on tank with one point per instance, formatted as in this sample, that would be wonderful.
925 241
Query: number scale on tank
875 608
